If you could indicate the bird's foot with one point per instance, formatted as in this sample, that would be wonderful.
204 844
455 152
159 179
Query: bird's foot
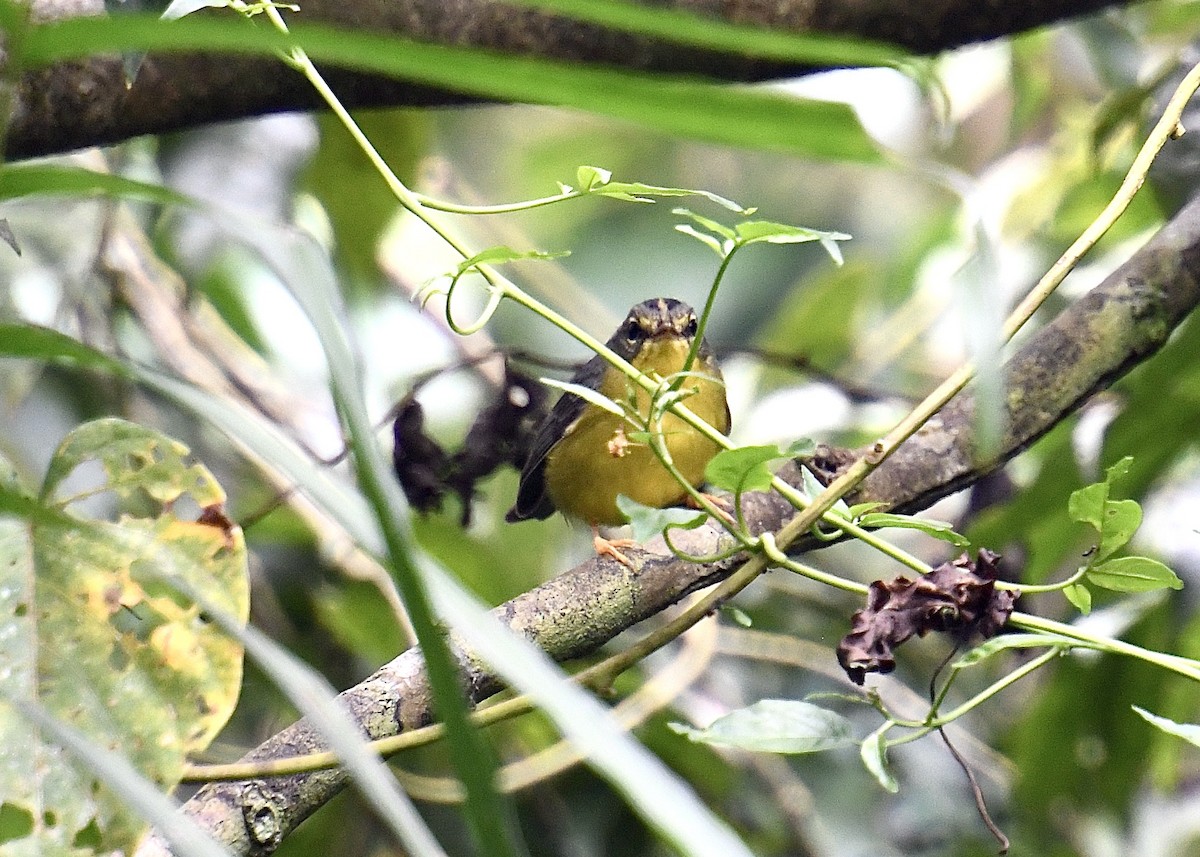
611 547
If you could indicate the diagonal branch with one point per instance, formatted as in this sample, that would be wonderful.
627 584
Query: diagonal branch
1095 341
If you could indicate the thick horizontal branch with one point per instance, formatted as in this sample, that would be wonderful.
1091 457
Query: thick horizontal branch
1099 338
87 103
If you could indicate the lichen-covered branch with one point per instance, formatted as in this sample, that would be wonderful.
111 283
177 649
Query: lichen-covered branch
86 103
1099 338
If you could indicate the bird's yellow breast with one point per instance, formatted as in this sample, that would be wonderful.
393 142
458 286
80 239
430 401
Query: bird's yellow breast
596 460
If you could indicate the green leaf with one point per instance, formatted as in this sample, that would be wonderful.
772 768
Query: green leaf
501 255
18 180
587 394
1189 732
682 105
1118 470
873 752
91 637
639 192
775 726
1133 574
708 223
1079 596
685 27
768 232
742 469
720 248
592 178
42 343
938 529
1087 505
1121 520
647 521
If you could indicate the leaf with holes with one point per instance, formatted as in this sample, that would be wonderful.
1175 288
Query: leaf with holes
94 632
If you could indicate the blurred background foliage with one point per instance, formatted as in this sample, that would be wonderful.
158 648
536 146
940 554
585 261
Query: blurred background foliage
990 174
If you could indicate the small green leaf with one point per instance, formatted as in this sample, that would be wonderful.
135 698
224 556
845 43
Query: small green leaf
639 192
501 255
587 394
591 178
1187 731
766 231
775 726
1087 505
742 469
873 752
1118 470
859 509
739 616
721 249
937 529
707 223
801 446
1080 596
647 521
17 180
1121 520
1133 574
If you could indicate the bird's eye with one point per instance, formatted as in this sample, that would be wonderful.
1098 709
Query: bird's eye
690 329
632 330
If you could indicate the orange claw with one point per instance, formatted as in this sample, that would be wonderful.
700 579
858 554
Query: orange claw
607 547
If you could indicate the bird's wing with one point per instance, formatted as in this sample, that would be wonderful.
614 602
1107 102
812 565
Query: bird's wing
533 501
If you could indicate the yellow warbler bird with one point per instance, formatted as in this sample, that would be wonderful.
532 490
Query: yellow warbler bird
582 455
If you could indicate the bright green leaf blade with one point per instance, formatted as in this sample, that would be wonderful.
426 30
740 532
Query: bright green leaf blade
42 343
501 255
1079 596
1118 470
704 238
1121 520
742 469
636 190
647 522
1189 732
98 643
765 231
684 27
938 529
1087 505
873 752
1133 574
776 726
17 180
714 226
740 116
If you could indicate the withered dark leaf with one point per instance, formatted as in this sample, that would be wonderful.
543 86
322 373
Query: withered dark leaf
420 463
958 597
501 434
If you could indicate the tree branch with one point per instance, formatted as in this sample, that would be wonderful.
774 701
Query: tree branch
78 104
1096 340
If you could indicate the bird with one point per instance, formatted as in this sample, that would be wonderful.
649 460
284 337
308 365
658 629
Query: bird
582 456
